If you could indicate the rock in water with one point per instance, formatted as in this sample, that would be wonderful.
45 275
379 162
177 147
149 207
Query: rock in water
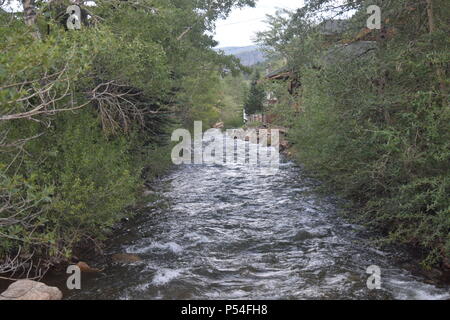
303 235
284 145
31 290
126 258
219 125
84 267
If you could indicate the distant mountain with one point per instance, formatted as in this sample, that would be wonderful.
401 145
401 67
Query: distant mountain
249 55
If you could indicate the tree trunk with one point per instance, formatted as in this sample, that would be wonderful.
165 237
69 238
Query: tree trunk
29 10
431 25
439 71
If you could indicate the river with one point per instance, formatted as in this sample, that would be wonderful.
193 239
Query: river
232 232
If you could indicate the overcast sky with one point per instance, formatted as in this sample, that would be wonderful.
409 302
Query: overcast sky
241 26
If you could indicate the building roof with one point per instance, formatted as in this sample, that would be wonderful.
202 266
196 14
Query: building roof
282 73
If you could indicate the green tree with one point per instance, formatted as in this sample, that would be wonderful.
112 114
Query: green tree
254 102
375 122
85 115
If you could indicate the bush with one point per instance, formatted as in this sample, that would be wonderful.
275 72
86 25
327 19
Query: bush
388 152
79 183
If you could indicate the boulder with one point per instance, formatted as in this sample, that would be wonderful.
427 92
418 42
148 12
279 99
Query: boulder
284 145
126 258
84 267
219 125
446 263
303 235
31 290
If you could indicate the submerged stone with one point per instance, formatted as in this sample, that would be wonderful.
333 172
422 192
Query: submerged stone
125 258
303 235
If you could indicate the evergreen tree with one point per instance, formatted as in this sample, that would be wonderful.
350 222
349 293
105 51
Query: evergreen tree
254 102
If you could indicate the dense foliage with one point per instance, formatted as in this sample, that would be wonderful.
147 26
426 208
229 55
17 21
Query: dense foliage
85 114
232 97
375 122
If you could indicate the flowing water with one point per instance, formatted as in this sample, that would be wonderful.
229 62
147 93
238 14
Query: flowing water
232 232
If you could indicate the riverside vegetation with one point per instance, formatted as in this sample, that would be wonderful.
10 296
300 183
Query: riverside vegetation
85 114
375 126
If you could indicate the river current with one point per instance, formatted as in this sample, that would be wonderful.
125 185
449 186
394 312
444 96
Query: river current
232 232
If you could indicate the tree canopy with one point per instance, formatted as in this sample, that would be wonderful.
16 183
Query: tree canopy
85 114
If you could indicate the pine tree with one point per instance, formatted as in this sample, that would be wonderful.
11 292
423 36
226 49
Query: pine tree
255 99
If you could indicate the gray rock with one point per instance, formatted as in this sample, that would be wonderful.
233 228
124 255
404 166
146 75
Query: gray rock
31 290
303 235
